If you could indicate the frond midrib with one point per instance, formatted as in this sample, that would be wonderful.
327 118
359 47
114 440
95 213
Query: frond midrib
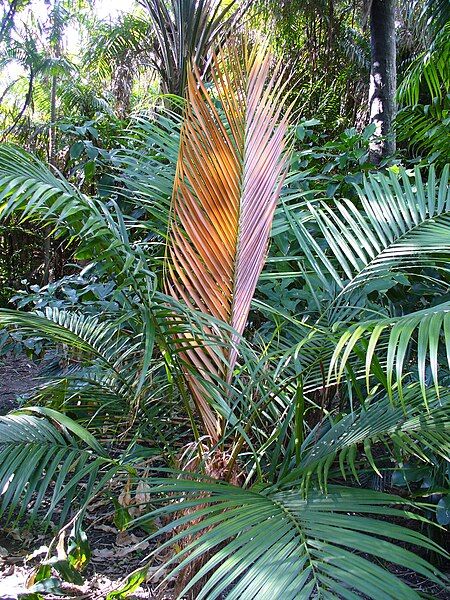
353 283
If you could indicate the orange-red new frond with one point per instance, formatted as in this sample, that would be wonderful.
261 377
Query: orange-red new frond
229 173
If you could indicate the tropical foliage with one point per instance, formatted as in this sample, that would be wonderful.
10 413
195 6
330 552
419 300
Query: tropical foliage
252 341
424 92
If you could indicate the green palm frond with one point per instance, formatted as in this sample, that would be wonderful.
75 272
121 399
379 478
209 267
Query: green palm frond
437 13
85 334
280 417
127 40
107 408
430 70
425 129
407 428
125 354
45 457
276 543
116 354
117 378
95 398
432 326
405 225
77 97
185 32
34 193
144 173
146 166
29 188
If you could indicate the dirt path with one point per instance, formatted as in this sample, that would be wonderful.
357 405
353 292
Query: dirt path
17 376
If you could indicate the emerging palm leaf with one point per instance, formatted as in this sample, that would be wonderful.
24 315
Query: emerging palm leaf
229 175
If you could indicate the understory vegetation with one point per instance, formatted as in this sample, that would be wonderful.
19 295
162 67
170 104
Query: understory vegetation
237 294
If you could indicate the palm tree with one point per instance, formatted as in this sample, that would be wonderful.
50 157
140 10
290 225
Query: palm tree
116 52
185 32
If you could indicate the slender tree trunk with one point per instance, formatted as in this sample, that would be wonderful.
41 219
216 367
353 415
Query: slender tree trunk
383 76
48 258
52 130
8 19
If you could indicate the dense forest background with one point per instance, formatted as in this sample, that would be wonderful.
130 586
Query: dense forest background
75 75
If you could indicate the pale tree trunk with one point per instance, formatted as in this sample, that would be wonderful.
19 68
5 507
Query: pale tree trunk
52 130
56 33
383 77
48 274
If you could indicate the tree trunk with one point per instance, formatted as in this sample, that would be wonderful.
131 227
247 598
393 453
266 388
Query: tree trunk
383 77
48 258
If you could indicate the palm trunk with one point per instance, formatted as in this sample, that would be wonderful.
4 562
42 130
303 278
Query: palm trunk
383 76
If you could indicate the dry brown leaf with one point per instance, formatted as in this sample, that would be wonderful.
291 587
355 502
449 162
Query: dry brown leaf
142 495
100 553
124 498
130 549
106 528
124 538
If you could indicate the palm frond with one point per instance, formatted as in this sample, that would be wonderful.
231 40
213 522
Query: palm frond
146 168
44 453
425 130
30 189
186 31
226 188
430 70
33 192
127 40
404 226
88 393
78 97
408 428
122 354
276 543
86 334
431 325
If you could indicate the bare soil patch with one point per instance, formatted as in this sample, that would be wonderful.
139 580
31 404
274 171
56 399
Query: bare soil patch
18 375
